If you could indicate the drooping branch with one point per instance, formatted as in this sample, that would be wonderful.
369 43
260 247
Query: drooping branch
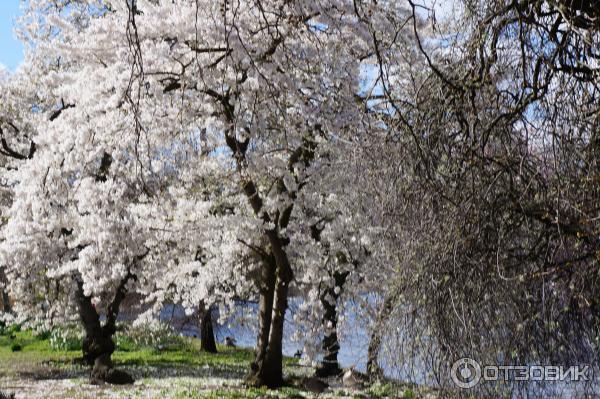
6 150
59 111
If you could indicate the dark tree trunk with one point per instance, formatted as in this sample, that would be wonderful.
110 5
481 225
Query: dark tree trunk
267 369
207 335
98 345
330 366
265 310
373 369
272 371
6 308
95 342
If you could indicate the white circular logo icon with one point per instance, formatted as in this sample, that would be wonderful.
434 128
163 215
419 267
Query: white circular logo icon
465 373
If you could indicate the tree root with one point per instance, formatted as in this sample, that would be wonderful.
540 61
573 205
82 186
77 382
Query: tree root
104 372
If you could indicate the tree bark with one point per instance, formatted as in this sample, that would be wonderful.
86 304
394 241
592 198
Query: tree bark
6 308
272 372
265 313
267 369
373 369
207 335
98 345
330 366
95 343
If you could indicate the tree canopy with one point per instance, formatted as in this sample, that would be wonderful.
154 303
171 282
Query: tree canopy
201 153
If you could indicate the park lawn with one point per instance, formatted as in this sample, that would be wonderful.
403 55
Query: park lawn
178 371
34 356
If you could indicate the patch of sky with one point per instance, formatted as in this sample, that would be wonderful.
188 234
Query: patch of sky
11 50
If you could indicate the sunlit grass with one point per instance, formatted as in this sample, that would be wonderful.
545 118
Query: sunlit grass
178 370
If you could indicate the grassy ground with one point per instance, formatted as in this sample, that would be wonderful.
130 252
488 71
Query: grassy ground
31 368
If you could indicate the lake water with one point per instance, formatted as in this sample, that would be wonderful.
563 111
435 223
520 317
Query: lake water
243 327
354 341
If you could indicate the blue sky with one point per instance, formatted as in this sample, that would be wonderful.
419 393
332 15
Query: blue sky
11 51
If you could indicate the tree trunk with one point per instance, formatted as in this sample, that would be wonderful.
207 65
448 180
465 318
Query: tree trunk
330 366
373 369
207 335
6 308
265 314
272 372
95 343
98 345
267 369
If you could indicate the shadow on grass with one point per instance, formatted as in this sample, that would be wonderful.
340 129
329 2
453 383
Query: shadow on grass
142 363
228 363
184 359
55 369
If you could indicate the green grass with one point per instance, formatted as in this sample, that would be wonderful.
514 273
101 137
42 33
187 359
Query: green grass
228 360
32 347
35 358
36 351
180 370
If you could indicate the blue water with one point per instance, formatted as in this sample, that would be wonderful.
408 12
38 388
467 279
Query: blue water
354 340
242 325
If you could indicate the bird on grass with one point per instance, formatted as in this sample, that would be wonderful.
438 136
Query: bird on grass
352 379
